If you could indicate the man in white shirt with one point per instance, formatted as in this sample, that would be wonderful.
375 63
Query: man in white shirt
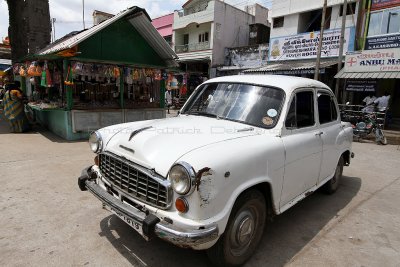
383 102
369 101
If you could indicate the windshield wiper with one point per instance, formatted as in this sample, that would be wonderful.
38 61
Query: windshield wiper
202 113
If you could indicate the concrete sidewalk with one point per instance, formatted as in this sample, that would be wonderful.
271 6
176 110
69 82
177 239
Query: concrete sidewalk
47 221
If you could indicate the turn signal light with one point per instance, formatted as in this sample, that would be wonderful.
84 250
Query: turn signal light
96 160
181 205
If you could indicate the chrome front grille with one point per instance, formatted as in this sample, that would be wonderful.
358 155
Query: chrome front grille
134 180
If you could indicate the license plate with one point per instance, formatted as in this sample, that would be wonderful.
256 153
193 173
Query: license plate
137 226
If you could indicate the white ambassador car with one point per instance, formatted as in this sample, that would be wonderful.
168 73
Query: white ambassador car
244 148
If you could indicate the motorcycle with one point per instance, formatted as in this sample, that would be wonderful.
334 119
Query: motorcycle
367 124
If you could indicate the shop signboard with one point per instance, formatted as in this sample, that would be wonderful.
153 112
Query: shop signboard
297 72
305 45
380 4
374 61
383 42
361 85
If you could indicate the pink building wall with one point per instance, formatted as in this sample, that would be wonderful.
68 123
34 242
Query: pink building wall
164 24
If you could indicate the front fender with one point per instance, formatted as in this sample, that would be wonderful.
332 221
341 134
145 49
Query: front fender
235 166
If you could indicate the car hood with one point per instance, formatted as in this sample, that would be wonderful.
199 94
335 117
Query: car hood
158 144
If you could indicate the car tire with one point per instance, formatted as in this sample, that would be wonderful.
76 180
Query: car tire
332 185
243 231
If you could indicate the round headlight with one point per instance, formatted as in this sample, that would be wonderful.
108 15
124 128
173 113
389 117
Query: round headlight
95 142
180 179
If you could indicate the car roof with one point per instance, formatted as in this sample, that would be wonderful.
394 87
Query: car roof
287 83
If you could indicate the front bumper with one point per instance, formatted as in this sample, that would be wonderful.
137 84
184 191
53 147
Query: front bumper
151 224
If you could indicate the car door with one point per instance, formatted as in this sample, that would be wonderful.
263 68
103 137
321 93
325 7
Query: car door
303 146
330 126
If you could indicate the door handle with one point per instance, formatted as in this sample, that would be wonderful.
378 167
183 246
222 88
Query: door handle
319 133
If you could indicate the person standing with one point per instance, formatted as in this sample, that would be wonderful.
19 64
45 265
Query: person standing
383 102
13 108
369 103
168 99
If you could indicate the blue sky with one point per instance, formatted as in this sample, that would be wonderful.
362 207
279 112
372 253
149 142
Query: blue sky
68 14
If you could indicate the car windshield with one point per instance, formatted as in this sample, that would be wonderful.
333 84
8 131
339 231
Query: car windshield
250 104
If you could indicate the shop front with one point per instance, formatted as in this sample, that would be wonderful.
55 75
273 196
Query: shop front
373 73
108 74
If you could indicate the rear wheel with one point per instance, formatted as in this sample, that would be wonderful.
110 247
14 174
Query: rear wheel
332 185
243 232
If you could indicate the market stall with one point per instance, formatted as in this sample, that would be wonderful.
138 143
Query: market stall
108 74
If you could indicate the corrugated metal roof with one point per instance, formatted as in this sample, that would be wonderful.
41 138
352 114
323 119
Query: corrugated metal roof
342 74
72 41
291 65
137 17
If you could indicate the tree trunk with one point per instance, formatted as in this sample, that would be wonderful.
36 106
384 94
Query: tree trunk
30 27
39 26
17 30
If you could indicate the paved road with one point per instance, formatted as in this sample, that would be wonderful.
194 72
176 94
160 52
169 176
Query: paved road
47 221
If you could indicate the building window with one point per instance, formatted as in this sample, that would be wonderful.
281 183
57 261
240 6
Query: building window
384 22
311 21
203 37
278 22
351 9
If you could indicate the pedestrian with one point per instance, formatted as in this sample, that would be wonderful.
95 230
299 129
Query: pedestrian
13 108
168 99
383 102
369 103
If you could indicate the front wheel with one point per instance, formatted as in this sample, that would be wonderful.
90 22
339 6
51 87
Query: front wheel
380 137
243 232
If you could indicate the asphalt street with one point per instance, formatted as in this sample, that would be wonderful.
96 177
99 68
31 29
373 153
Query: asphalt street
48 221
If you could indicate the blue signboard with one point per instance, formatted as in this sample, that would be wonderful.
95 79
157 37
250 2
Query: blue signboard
383 42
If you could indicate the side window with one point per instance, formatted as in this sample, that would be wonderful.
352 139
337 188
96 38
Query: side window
326 108
301 111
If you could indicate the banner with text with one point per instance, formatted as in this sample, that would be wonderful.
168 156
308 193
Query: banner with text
361 85
383 42
305 45
374 61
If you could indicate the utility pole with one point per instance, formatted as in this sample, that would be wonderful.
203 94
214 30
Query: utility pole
321 37
53 20
83 13
340 58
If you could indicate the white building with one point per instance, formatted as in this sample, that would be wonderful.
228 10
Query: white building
295 34
204 28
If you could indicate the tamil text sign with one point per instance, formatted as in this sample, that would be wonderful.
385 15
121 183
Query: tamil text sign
383 42
305 45
361 85
374 61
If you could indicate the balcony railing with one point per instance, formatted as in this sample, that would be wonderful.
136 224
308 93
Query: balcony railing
192 47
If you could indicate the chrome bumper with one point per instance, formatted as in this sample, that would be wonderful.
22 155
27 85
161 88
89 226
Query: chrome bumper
152 226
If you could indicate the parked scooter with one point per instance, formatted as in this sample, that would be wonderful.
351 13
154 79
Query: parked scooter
366 125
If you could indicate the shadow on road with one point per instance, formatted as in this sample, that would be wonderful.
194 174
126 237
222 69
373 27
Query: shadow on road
35 129
283 238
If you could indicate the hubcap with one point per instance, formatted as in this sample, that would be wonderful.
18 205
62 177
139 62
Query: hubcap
242 232
245 230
